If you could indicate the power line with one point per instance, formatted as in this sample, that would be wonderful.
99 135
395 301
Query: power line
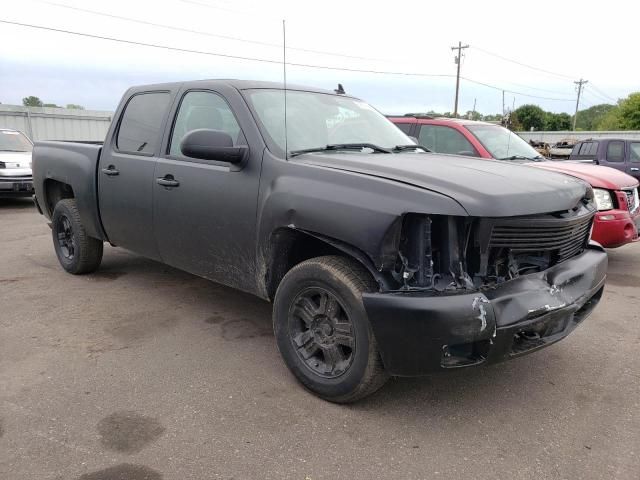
597 90
224 55
201 32
516 92
594 95
522 64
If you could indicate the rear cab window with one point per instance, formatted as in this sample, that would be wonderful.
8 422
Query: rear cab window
141 123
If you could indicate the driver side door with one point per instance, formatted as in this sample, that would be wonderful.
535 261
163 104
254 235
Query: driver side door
205 210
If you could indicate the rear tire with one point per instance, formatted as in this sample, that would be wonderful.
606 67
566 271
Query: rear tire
322 329
77 252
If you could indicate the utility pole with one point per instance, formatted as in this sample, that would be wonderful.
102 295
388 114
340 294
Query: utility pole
579 87
458 59
474 108
503 112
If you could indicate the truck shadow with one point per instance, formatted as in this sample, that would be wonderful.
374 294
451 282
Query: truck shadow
18 203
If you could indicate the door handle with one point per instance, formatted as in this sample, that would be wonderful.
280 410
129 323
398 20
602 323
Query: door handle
167 181
111 171
634 169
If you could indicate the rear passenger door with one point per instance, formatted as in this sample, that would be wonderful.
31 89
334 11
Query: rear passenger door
205 223
442 139
125 176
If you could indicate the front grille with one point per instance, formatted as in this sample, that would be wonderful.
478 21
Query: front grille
513 246
633 202
564 237
16 178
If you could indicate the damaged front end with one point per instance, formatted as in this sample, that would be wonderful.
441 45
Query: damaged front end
470 290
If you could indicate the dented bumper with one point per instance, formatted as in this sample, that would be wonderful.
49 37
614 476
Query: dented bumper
419 333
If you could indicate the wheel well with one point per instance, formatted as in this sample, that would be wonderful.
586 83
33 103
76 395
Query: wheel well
290 247
54 191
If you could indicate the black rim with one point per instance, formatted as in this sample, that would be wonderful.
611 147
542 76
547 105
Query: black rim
321 332
66 241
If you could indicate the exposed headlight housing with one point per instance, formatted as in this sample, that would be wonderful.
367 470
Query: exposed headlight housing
603 199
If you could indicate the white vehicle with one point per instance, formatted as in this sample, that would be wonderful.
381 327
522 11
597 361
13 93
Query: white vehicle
15 164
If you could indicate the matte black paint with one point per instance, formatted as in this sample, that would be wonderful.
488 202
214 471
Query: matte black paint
413 328
220 220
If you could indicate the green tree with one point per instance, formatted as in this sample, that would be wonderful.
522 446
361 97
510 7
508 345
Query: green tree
473 115
629 112
31 101
53 105
74 106
528 117
557 121
589 118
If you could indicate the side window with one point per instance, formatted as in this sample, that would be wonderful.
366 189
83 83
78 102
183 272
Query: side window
405 127
585 148
576 150
141 122
615 151
634 152
204 110
442 139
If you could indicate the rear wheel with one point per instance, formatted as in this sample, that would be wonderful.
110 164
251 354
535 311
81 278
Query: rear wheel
77 252
322 330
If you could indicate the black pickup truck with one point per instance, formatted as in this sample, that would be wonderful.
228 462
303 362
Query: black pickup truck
380 258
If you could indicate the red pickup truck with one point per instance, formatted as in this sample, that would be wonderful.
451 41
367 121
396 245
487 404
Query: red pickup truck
616 193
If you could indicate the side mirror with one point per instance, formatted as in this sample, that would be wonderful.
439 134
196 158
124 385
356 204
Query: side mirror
207 144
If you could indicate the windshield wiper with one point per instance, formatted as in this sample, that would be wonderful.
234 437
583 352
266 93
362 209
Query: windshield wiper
340 146
518 157
11 150
404 148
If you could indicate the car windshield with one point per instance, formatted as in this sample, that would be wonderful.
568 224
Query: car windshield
503 144
315 120
11 141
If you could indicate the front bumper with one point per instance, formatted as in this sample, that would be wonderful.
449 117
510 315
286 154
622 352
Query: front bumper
614 228
420 333
16 186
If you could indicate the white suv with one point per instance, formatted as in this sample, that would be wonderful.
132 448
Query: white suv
15 164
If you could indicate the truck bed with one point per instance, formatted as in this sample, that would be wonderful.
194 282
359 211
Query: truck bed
74 164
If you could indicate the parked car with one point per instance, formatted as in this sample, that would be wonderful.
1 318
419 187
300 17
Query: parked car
15 164
616 193
621 154
378 261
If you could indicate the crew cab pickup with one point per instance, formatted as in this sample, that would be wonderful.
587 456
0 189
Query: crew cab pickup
380 259
616 193
621 154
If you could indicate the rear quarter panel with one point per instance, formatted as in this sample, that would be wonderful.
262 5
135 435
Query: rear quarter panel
74 164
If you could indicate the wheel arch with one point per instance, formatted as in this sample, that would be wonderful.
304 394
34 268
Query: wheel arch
290 246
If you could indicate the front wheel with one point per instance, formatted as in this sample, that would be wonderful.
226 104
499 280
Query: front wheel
77 252
322 330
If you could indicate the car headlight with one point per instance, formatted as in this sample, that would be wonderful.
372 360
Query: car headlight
603 199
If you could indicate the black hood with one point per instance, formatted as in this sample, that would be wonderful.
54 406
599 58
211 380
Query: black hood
484 188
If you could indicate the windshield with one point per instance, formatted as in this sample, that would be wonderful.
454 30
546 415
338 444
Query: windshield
11 141
315 120
503 144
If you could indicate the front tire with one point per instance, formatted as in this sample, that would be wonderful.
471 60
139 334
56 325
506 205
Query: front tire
77 252
322 330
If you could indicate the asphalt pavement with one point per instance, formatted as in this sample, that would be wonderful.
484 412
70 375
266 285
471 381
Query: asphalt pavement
143 372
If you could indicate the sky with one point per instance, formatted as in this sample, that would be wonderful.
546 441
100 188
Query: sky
528 49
